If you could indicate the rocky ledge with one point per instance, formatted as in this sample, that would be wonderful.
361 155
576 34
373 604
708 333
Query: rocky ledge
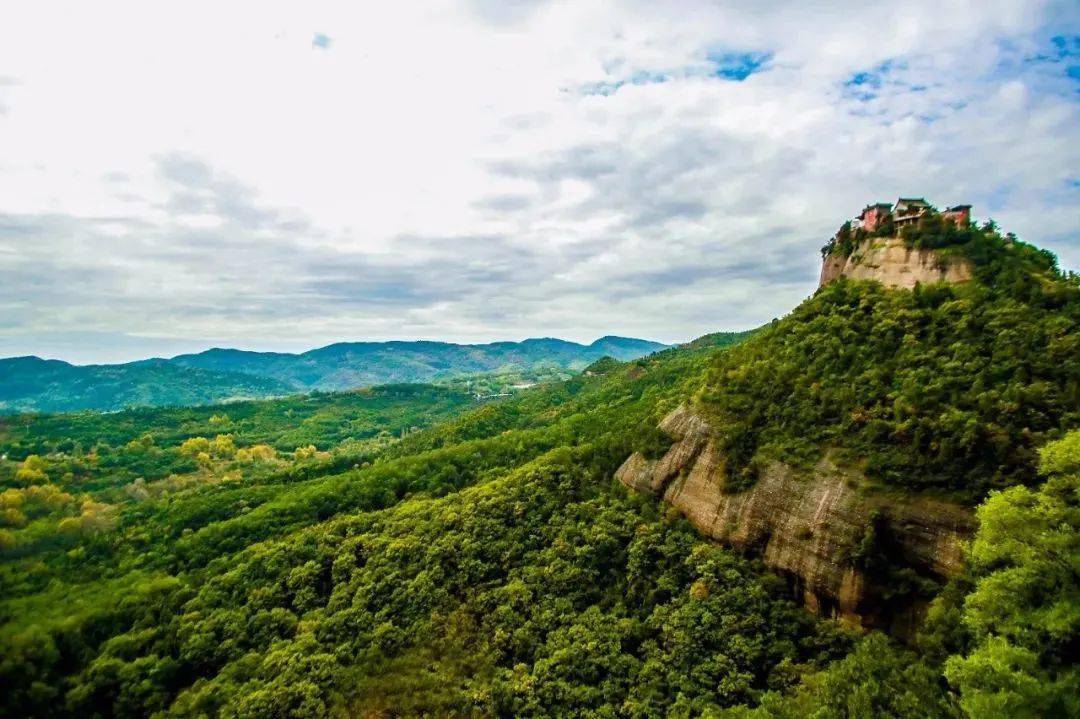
815 528
892 263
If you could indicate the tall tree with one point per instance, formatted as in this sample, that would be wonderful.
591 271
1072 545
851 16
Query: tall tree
1024 612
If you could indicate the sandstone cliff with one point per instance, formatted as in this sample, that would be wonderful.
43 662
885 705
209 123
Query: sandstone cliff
811 526
890 262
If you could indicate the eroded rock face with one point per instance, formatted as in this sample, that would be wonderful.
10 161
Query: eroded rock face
808 526
891 263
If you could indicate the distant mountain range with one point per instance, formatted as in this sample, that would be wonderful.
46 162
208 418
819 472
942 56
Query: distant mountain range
31 384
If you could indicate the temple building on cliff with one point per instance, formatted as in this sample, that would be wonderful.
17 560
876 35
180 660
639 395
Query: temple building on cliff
906 211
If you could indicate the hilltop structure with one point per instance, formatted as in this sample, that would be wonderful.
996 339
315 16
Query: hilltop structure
906 211
873 247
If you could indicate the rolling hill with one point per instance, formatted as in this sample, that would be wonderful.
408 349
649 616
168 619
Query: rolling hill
353 364
31 384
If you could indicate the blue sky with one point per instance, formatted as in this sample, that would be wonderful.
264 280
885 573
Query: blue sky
270 176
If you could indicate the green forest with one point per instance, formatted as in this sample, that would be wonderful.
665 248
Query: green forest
409 551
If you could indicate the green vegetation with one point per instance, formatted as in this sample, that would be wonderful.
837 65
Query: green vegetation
1022 617
877 679
278 593
1004 636
947 387
66 476
322 419
496 384
30 384
408 551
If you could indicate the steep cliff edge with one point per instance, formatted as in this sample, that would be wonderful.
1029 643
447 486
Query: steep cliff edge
846 552
819 443
894 264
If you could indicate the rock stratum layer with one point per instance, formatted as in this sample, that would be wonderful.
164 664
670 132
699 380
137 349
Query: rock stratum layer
892 263
811 527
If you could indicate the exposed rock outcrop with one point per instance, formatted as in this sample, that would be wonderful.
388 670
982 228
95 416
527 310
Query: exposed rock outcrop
810 527
892 263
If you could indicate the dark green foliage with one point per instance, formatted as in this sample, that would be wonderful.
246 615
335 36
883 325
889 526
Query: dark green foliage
1022 615
487 565
720 339
602 366
871 554
139 479
878 679
540 589
577 599
944 387
322 419
842 243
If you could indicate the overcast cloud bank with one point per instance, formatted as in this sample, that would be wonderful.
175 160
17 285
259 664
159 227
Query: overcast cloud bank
267 177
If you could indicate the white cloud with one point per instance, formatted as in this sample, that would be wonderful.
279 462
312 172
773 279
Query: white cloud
209 173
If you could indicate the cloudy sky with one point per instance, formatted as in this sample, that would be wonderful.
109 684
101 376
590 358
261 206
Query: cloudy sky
284 175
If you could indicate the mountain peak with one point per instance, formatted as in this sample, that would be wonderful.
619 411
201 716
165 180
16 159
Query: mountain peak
32 360
608 341
901 245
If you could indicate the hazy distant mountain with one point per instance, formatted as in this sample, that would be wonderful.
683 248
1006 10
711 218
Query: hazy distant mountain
34 384
352 364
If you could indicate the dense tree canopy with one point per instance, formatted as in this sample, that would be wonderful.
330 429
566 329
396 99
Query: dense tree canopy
944 387
409 551
1023 614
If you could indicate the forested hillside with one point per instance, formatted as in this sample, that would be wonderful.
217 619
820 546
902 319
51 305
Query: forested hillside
489 565
946 387
62 470
186 535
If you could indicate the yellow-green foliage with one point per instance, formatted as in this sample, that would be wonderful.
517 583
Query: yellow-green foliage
32 471
221 447
302 453
36 500
256 453
1024 611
